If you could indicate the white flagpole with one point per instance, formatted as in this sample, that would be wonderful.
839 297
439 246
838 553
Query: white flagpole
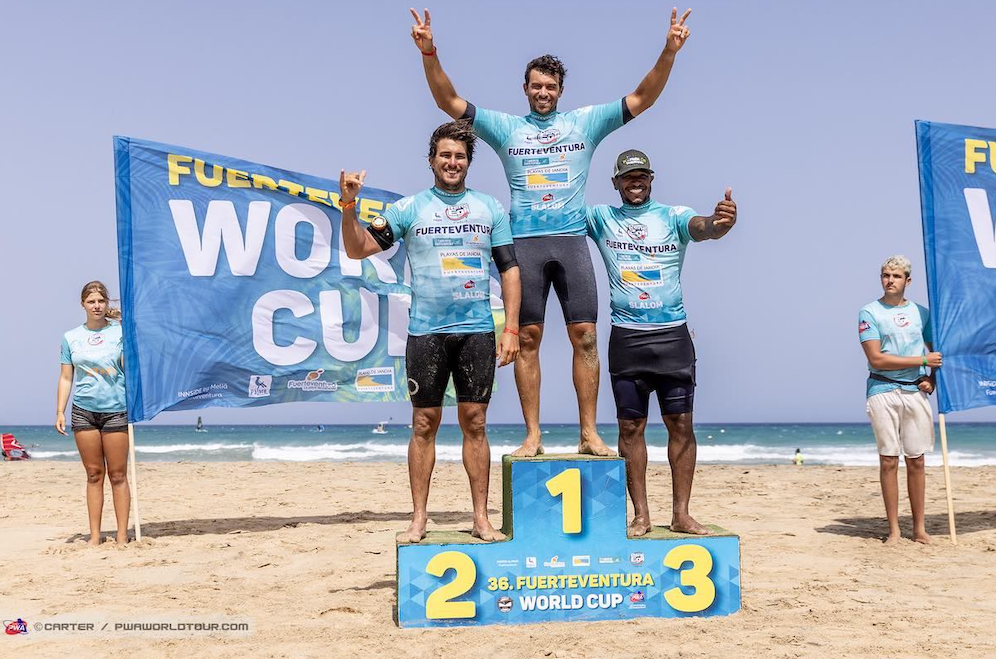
133 480
947 481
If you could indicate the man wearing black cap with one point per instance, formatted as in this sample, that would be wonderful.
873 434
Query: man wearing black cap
650 350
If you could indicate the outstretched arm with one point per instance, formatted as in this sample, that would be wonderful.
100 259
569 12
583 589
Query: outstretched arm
718 224
439 83
652 85
358 242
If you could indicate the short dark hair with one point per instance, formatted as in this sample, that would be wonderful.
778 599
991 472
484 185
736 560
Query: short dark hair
459 131
550 65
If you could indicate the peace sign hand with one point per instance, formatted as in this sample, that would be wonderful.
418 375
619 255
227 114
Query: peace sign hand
422 31
350 185
678 33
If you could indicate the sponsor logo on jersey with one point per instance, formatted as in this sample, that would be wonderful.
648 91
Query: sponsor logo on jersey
547 202
636 231
901 320
548 136
641 275
447 242
461 263
375 379
95 339
535 162
863 326
548 178
458 212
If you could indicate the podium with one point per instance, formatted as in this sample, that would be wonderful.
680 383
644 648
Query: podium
567 557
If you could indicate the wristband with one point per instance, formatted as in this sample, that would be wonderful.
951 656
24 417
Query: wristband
349 204
431 53
510 331
924 361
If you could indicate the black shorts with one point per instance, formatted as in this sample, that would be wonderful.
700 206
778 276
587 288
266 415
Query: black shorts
430 359
563 261
645 361
103 421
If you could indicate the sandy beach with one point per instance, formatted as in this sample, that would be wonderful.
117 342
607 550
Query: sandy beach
305 553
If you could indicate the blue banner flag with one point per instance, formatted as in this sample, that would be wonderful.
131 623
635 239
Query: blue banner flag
958 197
236 290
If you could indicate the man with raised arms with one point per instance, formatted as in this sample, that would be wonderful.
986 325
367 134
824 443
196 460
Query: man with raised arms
896 338
451 235
546 155
650 350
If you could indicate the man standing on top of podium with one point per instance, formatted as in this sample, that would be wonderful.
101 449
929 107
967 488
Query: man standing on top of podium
546 155
650 350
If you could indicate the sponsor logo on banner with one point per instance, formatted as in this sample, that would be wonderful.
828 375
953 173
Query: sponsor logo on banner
530 561
548 178
901 320
504 603
636 558
461 263
642 275
554 562
458 212
581 561
608 560
259 385
636 600
313 382
15 627
447 242
636 231
507 562
535 162
375 379
864 326
95 339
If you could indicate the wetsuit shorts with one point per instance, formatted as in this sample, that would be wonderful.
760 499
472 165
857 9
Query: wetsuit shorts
432 358
103 421
564 262
661 361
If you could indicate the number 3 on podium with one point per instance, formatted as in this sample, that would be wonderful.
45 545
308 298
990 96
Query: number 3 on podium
567 484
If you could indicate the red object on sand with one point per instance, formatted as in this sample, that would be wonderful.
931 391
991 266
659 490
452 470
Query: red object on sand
12 449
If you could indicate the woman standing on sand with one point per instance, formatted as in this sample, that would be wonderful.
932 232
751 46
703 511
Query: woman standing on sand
92 369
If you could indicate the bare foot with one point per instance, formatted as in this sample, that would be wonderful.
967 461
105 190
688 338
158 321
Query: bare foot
531 447
639 526
95 540
893 539
922 537
685 524
592 444
486 532
414 533
122 538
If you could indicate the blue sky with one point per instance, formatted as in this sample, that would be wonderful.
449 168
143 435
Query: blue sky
805 109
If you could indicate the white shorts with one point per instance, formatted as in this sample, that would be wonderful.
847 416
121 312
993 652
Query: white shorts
902 423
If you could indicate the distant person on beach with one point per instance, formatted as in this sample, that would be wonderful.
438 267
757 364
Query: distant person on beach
451 234
643 243
895 335
546 155
797 458
92 372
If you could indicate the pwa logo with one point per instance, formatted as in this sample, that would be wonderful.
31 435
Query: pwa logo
95 339
15 627
548 136
458 212
259 385
982 225
636 231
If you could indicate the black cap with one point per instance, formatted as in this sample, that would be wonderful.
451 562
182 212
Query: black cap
631 160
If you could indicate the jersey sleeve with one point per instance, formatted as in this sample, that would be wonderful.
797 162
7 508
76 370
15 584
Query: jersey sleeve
399 216
493 127
501 228
867 327
67 354
928 330
597 121
682 216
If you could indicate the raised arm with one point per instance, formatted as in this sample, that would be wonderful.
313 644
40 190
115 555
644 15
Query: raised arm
358 242
718 224
652 85
442 89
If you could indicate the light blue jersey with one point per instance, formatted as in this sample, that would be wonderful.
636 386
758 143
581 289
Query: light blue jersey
98 379
448 240
643 248
546 160
903 331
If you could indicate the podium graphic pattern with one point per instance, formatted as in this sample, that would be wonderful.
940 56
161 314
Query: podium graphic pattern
567 557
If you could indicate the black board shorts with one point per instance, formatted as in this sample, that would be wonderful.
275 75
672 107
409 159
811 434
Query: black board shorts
103 421
660 361
563 262
431 358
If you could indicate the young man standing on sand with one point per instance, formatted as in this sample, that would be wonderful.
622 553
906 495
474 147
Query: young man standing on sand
451 234
546 155
895 335
650 350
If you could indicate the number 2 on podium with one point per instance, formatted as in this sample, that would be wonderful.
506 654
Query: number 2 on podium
567 485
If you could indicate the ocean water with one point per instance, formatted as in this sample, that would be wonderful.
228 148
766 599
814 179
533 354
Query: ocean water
969 444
